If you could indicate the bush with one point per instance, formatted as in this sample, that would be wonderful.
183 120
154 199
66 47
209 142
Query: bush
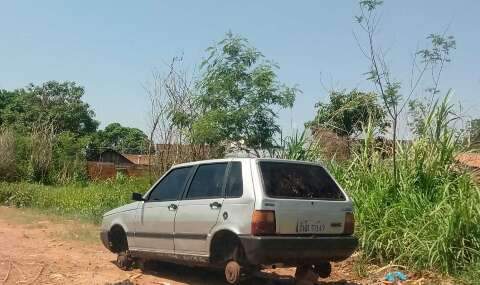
23 151
16 194
69 158
8 164
42 140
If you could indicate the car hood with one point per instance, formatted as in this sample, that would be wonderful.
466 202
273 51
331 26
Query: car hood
124 208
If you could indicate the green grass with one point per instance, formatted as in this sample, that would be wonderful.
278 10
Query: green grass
429 219
86 202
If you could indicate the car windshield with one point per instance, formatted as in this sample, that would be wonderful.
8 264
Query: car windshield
298 181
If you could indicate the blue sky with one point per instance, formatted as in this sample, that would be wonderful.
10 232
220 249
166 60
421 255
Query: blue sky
111 47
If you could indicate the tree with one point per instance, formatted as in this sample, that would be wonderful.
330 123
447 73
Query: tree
390 89
120 138
172 112
347 113
239 97
6 98
59 104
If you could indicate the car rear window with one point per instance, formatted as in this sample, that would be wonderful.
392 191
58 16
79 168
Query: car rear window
298 181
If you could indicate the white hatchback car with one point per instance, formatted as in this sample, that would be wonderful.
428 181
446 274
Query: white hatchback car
238 214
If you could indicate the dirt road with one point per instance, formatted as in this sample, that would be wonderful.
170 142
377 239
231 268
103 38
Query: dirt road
40 249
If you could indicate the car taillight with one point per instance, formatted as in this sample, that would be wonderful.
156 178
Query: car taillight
349 225
263 223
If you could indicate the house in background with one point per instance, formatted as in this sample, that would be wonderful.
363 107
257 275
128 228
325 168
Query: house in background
110 162
471 161
138 159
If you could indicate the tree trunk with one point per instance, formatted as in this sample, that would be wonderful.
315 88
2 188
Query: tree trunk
394 150
150 157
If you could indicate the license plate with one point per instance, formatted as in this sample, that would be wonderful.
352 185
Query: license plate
306 226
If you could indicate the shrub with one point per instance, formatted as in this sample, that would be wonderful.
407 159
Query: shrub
15 194
8 167
69 158
42 139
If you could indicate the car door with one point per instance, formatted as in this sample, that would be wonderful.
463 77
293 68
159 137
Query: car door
199 210
155 217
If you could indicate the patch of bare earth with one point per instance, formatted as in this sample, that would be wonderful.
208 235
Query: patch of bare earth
41 249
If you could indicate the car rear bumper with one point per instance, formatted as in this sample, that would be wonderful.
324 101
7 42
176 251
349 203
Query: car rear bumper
297 250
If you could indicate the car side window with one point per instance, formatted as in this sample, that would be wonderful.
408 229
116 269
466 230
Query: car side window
171 186
207 181
234 187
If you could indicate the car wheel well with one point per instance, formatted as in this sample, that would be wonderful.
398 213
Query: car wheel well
225 246
118 239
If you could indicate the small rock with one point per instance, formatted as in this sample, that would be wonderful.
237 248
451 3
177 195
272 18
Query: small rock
56 276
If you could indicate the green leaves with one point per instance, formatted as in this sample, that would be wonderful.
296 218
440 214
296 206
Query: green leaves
440 49
58 103
120 138
238 92
370 5
348 113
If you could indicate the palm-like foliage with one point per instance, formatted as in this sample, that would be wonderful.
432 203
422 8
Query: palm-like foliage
298 146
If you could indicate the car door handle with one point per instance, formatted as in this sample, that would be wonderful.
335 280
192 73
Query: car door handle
172 207
215 205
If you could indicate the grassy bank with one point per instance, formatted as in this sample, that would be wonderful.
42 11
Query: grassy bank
87 202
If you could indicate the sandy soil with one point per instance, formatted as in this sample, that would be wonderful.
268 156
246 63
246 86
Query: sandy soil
41 249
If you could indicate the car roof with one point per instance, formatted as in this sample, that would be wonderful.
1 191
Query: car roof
209 161
242 159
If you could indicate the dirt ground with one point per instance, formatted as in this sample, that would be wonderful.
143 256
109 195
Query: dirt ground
41 249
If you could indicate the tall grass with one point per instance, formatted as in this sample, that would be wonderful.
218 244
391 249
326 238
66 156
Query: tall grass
297 147
81 201
431 218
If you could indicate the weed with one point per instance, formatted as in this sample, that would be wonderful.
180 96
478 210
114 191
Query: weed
360 267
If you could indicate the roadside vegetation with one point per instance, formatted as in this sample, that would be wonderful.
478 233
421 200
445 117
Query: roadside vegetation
430 218
87 201
415 205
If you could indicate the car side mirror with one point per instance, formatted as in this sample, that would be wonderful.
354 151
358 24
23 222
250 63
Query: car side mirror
137 197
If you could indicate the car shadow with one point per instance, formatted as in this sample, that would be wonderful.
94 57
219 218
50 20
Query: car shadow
206 276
